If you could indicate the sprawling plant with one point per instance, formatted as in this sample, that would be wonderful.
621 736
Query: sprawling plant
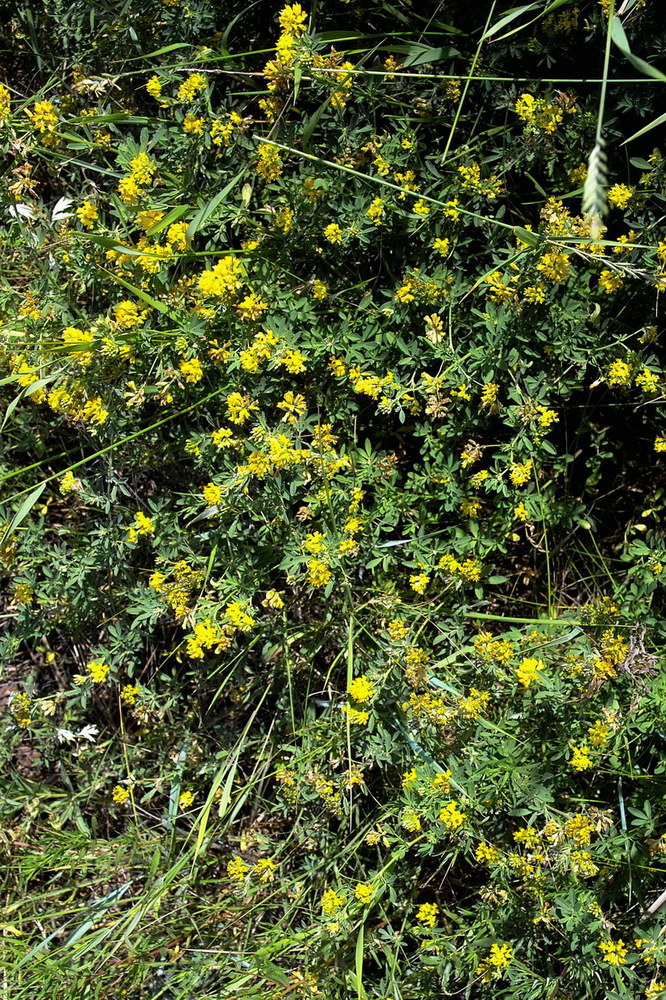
332 491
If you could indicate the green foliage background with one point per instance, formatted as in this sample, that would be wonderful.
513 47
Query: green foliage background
332 500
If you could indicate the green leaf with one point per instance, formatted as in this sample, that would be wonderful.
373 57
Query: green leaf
163 51
646 128
172 216
527 237
620 38
358 963
510 16
207 210
418 54
144 296
23 511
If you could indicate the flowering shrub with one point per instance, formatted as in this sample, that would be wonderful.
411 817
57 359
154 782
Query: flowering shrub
332 492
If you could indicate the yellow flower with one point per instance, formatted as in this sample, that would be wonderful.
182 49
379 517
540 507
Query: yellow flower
273 600
86 214
191 370
451 816
43 116
128 694
441 783
147 219
222 281
397 630
528 671
582 864
156 581
555 266
410 821
376 211
98 671
120 795
497 960
580 829
620 195
142 168
240 408
331 901
294 362
521 472
128 315
599 733
361 689
619 373
520 512
237 869
292 19
154 87
70 484
409 778
5 103
442 246
237 615
333 233
193 125
143 525
647 381
189 89
251 307
185 800
212 494
474 704
427 914
355 717
269 162
610 281
580 758
486 854
614 952
489 395
265 870
421 208
319 572
418 582
129 190
364 892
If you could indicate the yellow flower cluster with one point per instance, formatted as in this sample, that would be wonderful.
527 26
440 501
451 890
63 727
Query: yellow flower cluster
614 952
178 591
73 403
491 649
98 671
5 104
191 88
497 961
620 195
222 281
451 816
528 671
473 182
132 187
87 213
427 914
541 115
142 527
361 689
269 162
43 116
